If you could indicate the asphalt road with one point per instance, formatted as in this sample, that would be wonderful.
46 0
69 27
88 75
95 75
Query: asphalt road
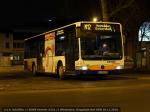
129 92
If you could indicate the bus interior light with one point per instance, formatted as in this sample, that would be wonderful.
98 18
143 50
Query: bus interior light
62 37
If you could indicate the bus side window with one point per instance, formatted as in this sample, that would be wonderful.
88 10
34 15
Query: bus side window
60 46
60 52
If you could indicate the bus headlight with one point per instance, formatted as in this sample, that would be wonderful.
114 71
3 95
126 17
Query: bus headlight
119 67
84 67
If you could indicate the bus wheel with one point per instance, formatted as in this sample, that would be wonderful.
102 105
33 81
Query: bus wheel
60 71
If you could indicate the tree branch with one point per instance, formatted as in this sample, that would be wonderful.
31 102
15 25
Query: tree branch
121 8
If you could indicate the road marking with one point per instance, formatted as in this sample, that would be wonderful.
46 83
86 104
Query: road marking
144 78
1 88
87 85
82 89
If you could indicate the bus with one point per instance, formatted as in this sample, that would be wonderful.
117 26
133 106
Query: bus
80 48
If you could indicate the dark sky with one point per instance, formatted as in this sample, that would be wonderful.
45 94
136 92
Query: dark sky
36 13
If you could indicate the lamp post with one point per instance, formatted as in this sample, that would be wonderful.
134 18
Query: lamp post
104 5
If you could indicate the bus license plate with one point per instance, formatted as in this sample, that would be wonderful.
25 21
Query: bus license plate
102 72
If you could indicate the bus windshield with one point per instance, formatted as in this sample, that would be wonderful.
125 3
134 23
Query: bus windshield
101 45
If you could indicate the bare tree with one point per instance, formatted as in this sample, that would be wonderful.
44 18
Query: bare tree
144 31
123 4
144 34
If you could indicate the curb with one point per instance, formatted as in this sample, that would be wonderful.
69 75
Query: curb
12 68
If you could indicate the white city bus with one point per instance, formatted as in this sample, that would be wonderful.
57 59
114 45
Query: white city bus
79 48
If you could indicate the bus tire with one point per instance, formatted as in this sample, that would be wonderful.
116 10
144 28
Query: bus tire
60 71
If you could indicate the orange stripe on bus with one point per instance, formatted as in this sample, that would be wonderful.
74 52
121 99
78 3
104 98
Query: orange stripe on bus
98 67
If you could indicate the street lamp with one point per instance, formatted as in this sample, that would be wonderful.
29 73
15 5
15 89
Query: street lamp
95 19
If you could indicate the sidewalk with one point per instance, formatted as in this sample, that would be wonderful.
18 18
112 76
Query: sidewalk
15 68
137 71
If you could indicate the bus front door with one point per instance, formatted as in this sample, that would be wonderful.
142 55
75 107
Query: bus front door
70 58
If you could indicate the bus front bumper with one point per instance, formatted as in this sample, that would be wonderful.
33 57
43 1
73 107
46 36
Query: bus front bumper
98 72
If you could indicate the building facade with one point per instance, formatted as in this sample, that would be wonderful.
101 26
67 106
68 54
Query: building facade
11 50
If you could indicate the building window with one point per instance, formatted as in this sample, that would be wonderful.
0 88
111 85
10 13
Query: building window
14 45
22 45
7 35
144 32
18 45
7 45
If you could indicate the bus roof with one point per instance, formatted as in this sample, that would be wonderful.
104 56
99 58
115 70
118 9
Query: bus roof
78 24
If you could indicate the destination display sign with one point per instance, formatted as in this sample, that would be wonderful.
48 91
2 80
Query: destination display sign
60 32
103 27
